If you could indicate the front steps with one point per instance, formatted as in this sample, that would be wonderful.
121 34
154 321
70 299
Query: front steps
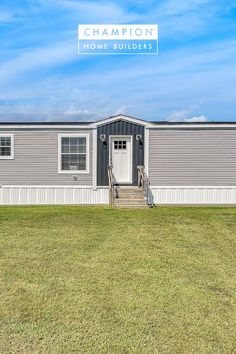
130 197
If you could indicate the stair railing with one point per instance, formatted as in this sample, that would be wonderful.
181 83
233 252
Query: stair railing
111 183
144 183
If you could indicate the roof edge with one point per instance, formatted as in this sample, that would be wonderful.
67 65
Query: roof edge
113 118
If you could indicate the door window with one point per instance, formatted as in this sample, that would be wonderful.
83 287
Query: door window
120 144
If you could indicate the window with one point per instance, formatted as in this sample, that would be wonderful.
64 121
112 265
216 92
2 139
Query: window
73 153
6 146
120 144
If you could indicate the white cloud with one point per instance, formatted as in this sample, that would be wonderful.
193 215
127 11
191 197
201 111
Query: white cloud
183 116
92 11
78 115
38 59
180 115
178 7
121 110
200 119
170 81
188 19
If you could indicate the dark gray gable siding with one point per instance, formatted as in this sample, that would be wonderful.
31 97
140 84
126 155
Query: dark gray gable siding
119 127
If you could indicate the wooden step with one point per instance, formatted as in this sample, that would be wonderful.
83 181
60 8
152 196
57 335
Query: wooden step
121 206
130 201
130 197
129 189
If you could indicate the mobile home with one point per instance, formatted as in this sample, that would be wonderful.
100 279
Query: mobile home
120 160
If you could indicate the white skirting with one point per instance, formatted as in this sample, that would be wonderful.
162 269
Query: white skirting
69 195
194 195
39 195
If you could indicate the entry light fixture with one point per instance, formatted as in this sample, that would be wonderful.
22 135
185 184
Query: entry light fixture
103 138
139 137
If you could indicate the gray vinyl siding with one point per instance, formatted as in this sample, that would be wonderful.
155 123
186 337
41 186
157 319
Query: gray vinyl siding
192 157
36 159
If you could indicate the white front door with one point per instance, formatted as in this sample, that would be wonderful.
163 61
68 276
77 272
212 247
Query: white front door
121 158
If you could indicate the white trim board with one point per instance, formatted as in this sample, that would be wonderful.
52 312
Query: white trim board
196 187
146 150
190 126
122 117
45 186
44 127
94 158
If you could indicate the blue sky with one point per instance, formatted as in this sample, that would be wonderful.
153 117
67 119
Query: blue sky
193 77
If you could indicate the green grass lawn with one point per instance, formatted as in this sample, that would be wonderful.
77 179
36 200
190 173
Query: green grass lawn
98 280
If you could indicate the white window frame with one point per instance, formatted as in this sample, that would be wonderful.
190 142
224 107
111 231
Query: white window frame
10 157
74 172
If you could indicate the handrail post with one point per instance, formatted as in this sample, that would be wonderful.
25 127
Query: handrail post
139 168
110 197
111 185
143 182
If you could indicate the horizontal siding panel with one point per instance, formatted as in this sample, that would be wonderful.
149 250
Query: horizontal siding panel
36 159
192 157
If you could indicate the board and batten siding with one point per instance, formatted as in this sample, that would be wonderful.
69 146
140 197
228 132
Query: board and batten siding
192 157
119 128
36 159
